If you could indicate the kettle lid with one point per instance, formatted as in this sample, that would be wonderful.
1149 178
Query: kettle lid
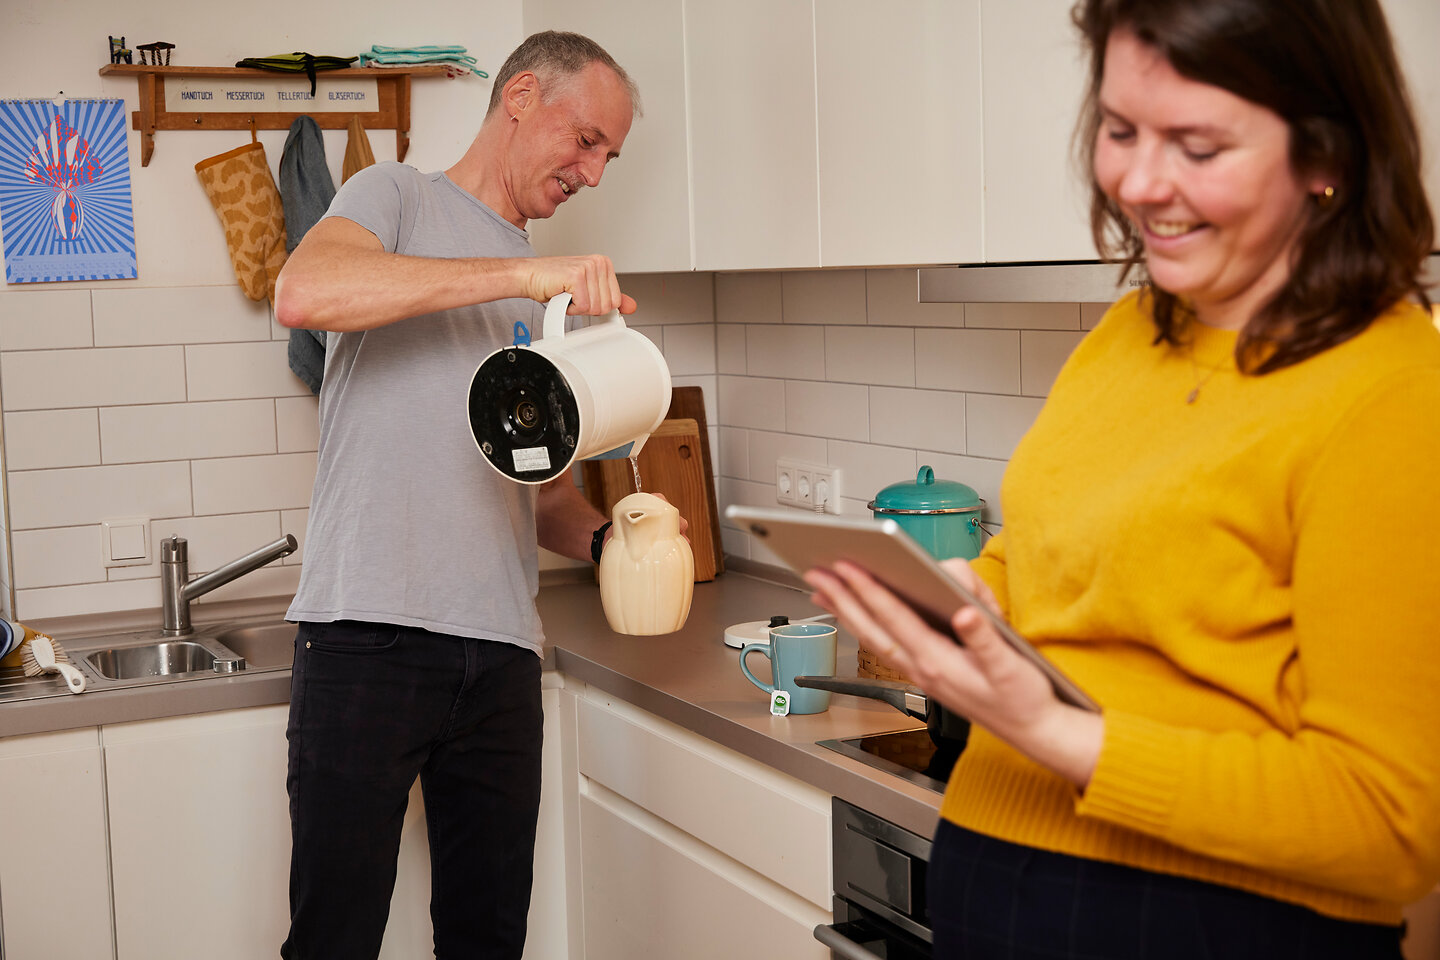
926 494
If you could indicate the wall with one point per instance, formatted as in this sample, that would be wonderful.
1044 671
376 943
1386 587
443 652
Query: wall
168 396
846 368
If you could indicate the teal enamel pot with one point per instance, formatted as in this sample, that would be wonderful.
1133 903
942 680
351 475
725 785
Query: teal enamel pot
943 516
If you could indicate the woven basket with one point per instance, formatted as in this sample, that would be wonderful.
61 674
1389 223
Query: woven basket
869 664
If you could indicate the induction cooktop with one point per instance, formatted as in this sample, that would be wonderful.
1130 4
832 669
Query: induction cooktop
910 754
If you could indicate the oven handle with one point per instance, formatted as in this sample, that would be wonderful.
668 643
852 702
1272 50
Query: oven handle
831 936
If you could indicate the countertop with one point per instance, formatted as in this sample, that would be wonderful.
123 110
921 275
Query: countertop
689 678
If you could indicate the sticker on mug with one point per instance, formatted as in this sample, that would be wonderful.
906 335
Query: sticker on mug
780 703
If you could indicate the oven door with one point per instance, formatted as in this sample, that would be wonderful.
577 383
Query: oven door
879 882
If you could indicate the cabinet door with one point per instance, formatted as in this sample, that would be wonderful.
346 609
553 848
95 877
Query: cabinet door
899 109
639 216
750 69
54 876
1415 25
651 890
1036 204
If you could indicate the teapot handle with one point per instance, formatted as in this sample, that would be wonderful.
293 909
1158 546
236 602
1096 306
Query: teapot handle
554 323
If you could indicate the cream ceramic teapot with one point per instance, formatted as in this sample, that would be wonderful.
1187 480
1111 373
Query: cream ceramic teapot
647 572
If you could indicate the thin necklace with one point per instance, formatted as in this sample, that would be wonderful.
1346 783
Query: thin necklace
1199 381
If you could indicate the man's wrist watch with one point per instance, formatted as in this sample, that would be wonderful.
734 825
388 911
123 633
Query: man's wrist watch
597 540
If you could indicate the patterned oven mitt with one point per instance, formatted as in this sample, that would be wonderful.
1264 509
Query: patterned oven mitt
248 204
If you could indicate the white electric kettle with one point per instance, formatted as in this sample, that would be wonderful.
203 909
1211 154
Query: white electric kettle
535 410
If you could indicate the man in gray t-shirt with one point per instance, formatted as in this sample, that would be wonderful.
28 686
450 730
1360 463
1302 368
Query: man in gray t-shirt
418 645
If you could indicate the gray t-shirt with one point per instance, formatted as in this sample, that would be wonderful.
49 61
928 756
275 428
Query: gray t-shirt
408 523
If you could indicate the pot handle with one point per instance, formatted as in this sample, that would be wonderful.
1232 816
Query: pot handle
554 324
907 698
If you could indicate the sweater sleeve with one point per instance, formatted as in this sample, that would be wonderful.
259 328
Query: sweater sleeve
1351 799
990 567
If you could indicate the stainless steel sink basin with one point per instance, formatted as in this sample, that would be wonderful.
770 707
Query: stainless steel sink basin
161 660
262 644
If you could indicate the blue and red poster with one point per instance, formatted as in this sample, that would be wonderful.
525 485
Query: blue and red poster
65 191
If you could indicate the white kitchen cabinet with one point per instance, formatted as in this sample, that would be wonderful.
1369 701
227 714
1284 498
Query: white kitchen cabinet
899 107
54 876
1036 203
750 68
639 216
687 848
200 835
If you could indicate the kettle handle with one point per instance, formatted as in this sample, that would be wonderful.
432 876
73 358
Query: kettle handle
554 323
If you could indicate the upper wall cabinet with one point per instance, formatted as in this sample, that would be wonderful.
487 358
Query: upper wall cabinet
1415 25
1036 202
639 216
899 105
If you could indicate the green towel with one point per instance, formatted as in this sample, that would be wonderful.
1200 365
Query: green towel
297 63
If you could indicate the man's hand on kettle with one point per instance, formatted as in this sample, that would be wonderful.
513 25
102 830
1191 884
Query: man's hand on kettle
590 280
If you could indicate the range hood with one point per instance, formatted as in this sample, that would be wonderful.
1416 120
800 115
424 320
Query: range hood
1083 281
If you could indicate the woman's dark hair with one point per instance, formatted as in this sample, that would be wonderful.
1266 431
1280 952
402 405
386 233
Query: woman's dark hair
1328 69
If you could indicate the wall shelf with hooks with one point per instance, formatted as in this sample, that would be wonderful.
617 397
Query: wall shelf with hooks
392 94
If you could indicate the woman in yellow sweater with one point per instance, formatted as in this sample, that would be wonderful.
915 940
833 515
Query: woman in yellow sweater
1224 526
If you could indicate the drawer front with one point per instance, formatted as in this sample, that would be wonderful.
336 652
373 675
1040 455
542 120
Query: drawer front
774 824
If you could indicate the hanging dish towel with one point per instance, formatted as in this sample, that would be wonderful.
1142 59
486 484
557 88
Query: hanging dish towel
245 199
306 189
358 155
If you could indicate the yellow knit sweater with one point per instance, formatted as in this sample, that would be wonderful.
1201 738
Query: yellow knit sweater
1249 585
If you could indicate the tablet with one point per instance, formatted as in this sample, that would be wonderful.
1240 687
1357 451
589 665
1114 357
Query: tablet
891 556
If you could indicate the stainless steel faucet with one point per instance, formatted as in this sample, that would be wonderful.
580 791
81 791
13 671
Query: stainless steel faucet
176 593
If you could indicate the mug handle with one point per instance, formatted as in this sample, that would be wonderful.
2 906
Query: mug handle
761 648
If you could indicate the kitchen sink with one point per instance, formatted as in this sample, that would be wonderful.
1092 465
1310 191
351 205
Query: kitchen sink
163 659
262 644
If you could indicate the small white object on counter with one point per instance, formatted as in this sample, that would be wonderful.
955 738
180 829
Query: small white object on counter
758 631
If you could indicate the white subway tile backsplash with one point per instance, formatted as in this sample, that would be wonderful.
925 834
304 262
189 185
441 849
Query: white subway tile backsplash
795 353
52 438
236 371
981 475
730 348
708 390
994 425
690 349
79 495
979 361
870 355
57 556
1027 316
868 468
922 419
138 316
767 447
823 296
272 580
247 484
838 410
670 297
1042 354
892 299
752 402
297 424
40 319
187 431
47 379
747 298
733 458
81 599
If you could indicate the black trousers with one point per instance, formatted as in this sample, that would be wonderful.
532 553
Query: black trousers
373 706
989 898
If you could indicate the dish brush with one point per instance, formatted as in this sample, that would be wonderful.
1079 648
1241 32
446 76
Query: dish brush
44 655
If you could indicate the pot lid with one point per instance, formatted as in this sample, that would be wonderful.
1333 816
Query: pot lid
926 493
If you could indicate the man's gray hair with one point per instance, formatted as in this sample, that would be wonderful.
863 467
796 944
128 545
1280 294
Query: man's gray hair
555 58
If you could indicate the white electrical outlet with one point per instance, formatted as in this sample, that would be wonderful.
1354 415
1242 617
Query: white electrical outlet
807 485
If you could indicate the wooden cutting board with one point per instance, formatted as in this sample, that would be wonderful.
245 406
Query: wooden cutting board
671 463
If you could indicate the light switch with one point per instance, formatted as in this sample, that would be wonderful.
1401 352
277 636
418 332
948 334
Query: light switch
126 542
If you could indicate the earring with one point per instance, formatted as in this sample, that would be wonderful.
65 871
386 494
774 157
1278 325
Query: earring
1326 197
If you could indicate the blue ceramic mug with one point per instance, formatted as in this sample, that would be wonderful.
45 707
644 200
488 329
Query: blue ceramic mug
796 650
